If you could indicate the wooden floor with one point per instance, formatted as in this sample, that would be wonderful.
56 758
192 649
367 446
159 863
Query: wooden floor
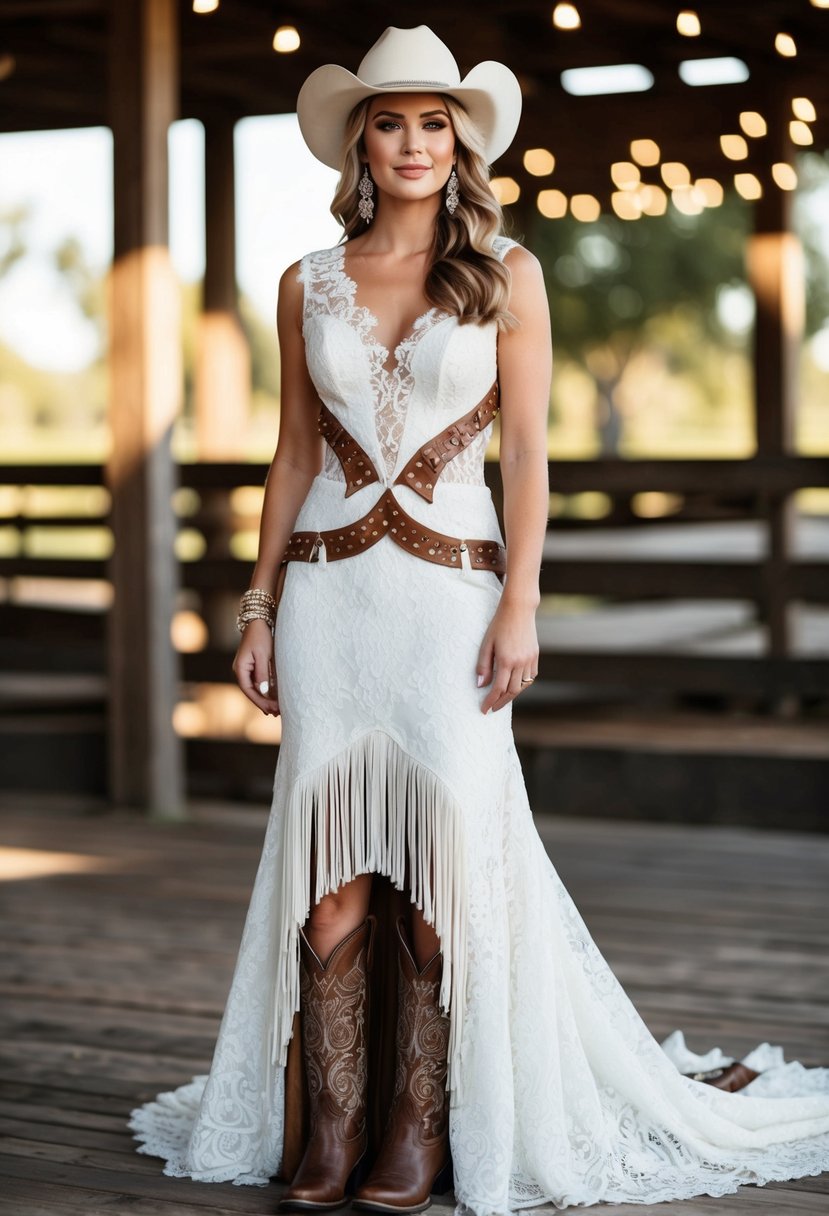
119 937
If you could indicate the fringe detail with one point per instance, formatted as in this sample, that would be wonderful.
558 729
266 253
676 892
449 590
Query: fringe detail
372 806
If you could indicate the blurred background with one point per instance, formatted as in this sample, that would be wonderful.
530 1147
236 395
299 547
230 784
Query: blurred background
671 172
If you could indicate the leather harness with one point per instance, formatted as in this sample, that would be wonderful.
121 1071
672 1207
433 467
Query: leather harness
387 517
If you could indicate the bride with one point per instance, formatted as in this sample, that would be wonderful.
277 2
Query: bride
417 1003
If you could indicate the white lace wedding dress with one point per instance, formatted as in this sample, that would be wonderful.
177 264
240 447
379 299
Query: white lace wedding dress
559 1093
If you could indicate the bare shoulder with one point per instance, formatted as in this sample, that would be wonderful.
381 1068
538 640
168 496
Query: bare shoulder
523 265
289 300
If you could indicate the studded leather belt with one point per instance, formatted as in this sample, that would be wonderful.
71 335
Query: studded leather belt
387 516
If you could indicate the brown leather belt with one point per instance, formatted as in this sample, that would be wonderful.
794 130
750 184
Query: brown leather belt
427 464
387 518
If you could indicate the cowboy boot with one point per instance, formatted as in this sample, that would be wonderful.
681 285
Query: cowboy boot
334 1004
414 1158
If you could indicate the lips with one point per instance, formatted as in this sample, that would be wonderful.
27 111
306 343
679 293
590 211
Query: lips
413 171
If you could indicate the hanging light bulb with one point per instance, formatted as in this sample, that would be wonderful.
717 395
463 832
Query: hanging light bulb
205 6
687 23
803 109
785 45
286 39
566 17
753 123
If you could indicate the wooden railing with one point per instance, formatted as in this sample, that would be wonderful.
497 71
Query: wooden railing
758 489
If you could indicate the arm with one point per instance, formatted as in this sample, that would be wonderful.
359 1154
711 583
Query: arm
296 462
509 650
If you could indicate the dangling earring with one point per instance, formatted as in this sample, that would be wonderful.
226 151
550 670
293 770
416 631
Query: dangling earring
366 203
453 192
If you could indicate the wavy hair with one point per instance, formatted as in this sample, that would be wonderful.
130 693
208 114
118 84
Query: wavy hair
465 277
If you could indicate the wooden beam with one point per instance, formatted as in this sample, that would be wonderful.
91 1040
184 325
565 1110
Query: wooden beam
222 388
146 757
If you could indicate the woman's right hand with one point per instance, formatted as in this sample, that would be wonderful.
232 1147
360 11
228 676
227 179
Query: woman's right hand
254 667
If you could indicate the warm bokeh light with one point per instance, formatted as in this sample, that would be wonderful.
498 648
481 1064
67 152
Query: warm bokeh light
205 6
645 151
687 23
18 864
188 632
566 17
687 199
784 175
190 720
785 45
625 175
585 207
711 191
748 185
753 123
539 162
626 204
803 109
7 65
286 39
552 204
734 147
800 133
819 3
653 200
506 190
675 174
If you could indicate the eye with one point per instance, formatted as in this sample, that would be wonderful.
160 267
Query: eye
385 124
436 124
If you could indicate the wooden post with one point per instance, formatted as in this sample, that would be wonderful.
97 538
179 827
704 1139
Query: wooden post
222 374
776 276
146 757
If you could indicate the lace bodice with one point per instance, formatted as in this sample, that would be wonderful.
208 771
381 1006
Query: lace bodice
330 292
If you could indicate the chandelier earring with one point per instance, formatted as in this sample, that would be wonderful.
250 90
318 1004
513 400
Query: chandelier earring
453 192
366 204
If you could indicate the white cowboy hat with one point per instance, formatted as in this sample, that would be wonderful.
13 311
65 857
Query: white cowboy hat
407 61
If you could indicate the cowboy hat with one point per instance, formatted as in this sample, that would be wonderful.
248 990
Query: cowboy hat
407 61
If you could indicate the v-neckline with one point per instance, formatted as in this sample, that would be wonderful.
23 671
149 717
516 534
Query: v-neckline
369 329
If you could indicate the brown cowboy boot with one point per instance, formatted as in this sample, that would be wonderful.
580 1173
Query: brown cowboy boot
414 1159
334 1004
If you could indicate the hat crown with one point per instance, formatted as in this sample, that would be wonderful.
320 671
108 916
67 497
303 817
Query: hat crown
409 57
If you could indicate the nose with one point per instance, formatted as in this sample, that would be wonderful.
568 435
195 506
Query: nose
412 141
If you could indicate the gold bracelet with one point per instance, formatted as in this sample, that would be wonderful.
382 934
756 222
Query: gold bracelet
256 604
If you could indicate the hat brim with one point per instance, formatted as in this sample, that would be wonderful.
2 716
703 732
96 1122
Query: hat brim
490 92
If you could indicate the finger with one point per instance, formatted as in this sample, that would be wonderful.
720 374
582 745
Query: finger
498 692
484 667
249 676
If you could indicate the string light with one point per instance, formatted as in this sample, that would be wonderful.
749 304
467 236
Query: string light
800 133
687 23
734 147
653 199
675 174
286 39
803 109
626 204
539 162
566 17
753 123
645 151
784 175
748 185
688 199
585 207
785 45
506 190
552 204
205 6
711 191
625 174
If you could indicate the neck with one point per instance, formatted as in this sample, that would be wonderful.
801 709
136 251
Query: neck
402 227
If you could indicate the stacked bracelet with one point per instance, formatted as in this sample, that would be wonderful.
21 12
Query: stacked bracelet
256 605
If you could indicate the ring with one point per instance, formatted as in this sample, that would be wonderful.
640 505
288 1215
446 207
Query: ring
523 681
263 687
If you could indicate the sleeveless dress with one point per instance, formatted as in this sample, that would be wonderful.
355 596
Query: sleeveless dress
558 1091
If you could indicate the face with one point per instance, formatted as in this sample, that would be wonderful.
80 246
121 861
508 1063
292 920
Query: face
409 144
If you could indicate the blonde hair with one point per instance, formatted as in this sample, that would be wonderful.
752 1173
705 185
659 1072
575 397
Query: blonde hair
465 277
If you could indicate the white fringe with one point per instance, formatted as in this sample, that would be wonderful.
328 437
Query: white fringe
371 806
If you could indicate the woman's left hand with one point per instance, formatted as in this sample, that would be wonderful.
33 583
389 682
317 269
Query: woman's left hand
509 653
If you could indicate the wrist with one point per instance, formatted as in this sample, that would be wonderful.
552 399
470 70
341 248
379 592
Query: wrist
527 598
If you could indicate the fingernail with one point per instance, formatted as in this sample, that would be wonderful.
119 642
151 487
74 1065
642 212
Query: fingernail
480 680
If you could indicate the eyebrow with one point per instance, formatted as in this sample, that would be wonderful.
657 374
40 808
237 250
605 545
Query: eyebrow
391 114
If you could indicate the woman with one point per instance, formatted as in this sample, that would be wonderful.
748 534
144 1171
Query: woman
405 631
